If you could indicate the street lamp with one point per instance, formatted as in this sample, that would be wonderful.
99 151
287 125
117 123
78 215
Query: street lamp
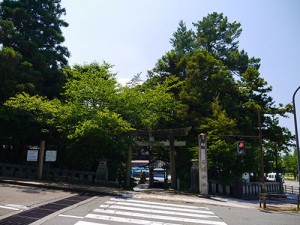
297 140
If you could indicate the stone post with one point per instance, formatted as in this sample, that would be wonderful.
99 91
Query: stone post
195 176
203 180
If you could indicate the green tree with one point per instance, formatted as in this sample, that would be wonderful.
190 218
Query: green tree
33 29
149 107
9 65
220 37
18 130
95 116
208 65
222 157
290 163
206 79
184 40
83 123
278 143
217 35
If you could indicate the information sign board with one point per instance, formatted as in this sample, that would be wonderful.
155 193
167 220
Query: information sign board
51 155
32 155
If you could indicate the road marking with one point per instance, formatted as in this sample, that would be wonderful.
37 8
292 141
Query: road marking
88 223
155 211
158 207
7 207
158 203
148 213
14 207
70 216
127 220
152 216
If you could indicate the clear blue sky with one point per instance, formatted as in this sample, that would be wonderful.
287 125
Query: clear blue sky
133 34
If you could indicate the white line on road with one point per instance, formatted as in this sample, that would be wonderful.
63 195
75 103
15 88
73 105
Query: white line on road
127 220
156 211
158 207
158 217
14 207
158 203
70 216
7 207
88 223
148 222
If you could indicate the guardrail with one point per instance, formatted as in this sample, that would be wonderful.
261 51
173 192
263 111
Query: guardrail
247 190
291 189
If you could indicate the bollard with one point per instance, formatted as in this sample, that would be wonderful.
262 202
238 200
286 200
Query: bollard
178 184
298 204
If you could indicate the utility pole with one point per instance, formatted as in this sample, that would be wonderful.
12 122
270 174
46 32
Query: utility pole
297 141
262 165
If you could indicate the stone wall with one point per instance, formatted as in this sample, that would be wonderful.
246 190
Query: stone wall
31 172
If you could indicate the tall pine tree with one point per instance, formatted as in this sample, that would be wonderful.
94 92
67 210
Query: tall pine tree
208 64
32 28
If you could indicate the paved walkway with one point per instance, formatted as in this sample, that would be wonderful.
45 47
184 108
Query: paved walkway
288 204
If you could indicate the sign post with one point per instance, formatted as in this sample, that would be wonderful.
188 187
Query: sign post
203 180
41 160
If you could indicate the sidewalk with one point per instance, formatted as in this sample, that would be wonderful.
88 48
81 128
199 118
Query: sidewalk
288 204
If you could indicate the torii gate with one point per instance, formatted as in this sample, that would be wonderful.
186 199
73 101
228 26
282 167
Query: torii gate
167 133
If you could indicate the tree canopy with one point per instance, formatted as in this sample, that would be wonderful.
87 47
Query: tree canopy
95 112
205 81
209 66
31 31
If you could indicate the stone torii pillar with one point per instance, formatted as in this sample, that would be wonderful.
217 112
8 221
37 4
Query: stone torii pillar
173 162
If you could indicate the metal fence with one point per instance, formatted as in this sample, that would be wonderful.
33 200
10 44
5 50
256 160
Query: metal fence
291 189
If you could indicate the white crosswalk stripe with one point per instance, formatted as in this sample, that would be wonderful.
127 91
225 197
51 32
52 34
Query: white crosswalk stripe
130 211
157 203
88 223
158 207
156 211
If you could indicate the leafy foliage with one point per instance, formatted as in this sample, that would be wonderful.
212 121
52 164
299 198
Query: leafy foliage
149 107
80 119
204 81
290 163
96 113
222 89
32 29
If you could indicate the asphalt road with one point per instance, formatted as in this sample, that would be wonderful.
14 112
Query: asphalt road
130 209
291 186
291 183
14 198
113 211
233 216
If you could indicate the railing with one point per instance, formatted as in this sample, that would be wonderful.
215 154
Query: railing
291 189
247 190
253 189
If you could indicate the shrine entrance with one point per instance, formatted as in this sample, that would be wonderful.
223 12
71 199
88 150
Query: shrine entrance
165 138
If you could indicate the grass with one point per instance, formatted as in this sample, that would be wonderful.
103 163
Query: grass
289 176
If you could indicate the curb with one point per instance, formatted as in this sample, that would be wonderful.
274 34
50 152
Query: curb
63 187
168 195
